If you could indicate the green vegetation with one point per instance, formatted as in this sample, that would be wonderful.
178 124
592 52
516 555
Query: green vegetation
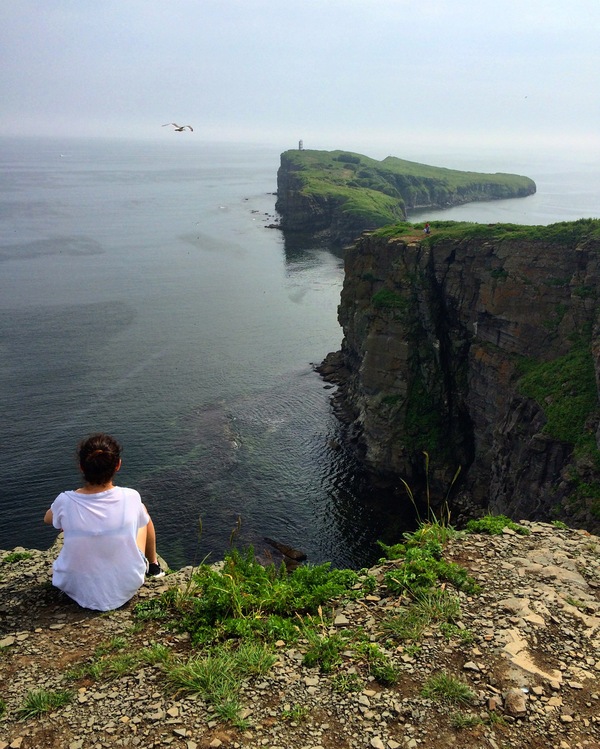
343 683
565 389
246 599
15 556
42 701
324 651
493 525
461 721
565 233
376 193
447 688
388 299
378 663
295 713
217 676
423 569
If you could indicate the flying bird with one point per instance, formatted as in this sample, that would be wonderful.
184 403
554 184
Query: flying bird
178 128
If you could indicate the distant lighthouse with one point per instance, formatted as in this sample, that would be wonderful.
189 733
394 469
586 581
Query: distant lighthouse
301 145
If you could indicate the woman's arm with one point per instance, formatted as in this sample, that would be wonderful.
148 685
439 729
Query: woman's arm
48 517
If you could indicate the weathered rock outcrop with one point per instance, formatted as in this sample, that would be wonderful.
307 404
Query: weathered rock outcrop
479 345
333 196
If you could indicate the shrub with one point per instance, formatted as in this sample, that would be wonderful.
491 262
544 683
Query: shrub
245 599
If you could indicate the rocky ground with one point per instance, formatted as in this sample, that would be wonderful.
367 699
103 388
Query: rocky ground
531 657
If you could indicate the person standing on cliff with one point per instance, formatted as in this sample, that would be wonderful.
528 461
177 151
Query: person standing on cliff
427 229
109 538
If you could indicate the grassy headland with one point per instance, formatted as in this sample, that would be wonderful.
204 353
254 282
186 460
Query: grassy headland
370 193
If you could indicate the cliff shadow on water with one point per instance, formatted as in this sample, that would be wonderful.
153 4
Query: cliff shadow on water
478 345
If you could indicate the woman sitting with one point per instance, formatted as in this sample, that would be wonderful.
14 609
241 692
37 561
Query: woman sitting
109 538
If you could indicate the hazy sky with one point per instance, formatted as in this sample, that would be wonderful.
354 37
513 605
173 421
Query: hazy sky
336 73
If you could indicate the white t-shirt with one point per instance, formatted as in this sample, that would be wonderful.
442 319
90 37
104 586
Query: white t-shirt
100 565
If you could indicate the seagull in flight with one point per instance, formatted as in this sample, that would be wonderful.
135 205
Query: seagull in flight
178 128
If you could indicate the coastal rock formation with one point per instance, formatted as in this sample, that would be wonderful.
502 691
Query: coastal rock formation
479 345
333 196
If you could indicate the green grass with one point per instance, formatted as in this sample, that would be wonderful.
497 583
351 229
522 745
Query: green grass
40 701
344 683
109 663
435 607
378 663
493 525
15 556
295 713
324 651
217 676
444 687
461 721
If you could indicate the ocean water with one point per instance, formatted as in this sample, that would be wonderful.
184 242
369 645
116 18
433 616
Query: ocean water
141 293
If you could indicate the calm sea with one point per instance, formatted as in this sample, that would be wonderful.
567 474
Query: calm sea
141 293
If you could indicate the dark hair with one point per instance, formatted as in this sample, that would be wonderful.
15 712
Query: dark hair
99 456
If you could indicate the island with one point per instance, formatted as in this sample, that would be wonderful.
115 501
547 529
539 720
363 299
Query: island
334 196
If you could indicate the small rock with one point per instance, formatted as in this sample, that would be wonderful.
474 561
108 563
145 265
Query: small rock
377 743
471 666
493 704
564 718
341 620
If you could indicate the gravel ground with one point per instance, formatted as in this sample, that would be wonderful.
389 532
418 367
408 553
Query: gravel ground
532 659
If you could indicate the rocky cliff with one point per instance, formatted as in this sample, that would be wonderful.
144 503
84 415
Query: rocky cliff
479 345
334 195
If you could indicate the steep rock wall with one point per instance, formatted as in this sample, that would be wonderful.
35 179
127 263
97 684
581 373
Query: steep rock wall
321 216
439 335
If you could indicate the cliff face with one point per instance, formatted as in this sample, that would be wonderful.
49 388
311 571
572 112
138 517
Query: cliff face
314 214
479 345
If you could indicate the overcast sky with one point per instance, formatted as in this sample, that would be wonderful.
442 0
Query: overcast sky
336 73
